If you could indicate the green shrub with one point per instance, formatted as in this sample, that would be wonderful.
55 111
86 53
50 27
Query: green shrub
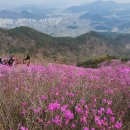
93 62
125 59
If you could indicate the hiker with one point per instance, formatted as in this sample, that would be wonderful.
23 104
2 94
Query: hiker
27 59
1 62
11 60
15 61
5 61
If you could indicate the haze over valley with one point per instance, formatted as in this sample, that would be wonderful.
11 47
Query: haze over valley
100 16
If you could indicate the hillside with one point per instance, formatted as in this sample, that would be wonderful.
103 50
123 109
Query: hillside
66 49
56 97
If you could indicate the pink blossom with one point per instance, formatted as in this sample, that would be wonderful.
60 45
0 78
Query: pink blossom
95 100
97 118
78 110
24 104
118 125
112 119
70 94
104 100
68 115
23 128
109 111
100 112
57 93
102 109
98 121
66 122
109 102
73 125
64 107
43 97
23 112
57 120
82 101
62 98
53 106
86 128
17 89
83 119
37 110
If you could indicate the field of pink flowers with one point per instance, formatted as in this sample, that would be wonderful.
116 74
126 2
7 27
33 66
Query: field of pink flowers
61 97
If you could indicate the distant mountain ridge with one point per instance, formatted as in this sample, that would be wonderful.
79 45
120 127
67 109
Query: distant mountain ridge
7 14
24 39
99 16
99 7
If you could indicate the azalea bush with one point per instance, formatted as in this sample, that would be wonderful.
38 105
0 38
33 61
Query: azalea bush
56 97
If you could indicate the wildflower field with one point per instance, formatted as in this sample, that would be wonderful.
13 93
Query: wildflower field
61 97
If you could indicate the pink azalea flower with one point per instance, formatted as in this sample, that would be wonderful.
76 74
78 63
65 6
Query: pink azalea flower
86 128
83 119
64 107
73 125
24 104
67 122
23 128
109 111
53 106
57 120
62 98
118 125
37 110
68 115
104 100
112 119
70 94
102 109
43 97
78 110
100 112
82 102
23 112
109 102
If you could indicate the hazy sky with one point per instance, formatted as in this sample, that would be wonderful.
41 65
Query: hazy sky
50 2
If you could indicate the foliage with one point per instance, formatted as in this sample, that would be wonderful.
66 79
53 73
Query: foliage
64 97
125 59
93 62
25 39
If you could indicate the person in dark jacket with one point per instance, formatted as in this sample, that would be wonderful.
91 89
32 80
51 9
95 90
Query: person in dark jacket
27 59
1 62
11 60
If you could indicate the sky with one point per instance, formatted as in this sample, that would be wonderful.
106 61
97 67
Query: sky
50 2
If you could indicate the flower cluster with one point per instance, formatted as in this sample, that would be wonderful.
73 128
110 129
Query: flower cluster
64 97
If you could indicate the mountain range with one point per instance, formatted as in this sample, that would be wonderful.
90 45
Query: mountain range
6 14
105 15
98 16
27 40
100 7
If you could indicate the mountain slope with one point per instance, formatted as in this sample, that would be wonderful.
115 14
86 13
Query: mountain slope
24 39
